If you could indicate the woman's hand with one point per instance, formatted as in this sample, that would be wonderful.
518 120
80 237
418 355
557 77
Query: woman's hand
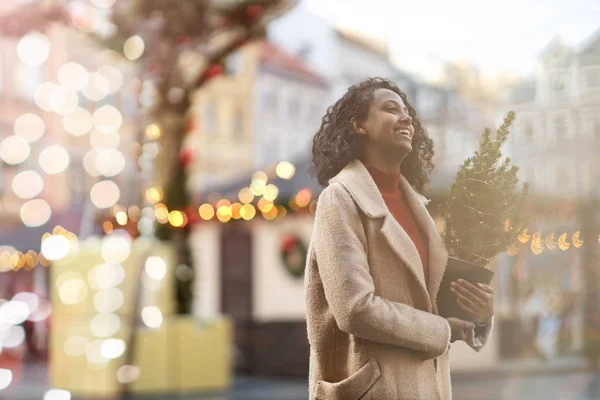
477 300
459 329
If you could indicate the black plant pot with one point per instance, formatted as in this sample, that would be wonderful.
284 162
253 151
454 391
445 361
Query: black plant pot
459 269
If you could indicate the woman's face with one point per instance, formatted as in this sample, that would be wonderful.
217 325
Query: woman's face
388 126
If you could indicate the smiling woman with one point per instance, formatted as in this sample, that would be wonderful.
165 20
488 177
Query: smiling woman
375 261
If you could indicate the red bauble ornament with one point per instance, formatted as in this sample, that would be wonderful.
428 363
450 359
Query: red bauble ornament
213 70
190 125
184 39
254 11
185 156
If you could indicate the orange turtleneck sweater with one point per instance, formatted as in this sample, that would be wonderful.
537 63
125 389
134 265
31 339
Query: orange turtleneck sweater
388 185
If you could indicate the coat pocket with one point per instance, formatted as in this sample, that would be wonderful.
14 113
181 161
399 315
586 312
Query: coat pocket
351 388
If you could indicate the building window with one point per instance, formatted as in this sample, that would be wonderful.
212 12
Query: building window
28 80
560 127
293 110
592 77
528 132
558 83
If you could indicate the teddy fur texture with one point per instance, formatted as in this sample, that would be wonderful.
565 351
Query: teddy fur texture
371 316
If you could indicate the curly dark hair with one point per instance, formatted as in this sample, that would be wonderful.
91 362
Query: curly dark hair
336 144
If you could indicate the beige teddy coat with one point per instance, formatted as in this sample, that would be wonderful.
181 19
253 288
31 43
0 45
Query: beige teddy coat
371 317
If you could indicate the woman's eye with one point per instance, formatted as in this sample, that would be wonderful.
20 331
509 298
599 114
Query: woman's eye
394 109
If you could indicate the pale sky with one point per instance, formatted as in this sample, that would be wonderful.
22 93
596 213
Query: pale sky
494 35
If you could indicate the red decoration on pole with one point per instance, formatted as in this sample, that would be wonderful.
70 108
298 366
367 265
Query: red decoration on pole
213 70
186 156
254 11
184 39
190 125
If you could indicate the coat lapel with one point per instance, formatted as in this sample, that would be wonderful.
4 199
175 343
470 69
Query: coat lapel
363 189
438 256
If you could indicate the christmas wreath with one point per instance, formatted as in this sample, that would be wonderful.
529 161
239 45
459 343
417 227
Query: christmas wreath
293 255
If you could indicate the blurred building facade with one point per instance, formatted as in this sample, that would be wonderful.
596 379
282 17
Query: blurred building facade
555 142
264 110
286 84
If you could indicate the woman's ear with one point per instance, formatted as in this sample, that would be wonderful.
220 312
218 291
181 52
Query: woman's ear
357 126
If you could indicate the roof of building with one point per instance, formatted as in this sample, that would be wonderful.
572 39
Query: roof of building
376 47
276 60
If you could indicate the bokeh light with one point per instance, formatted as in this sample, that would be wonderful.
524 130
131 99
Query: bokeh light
100 140
108 300
105 194
35 212
94 353
247 212
271 192
43 95
303 197
27 184
73 76
79 122
113 348
89 163
32 301
285 170
134 47
57 394
106 276
153 131
245 195
33 49
6 377
206 211
152 317
107 119
30 127
63 101
14 150
258 187
154 195
54 159
114 77
43 311
73 291
12 336
105 325
177 218
97 87
109 162
156 267
116 247
121 218
128 374
14 312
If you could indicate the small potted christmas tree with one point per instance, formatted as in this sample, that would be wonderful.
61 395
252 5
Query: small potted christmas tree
483 216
